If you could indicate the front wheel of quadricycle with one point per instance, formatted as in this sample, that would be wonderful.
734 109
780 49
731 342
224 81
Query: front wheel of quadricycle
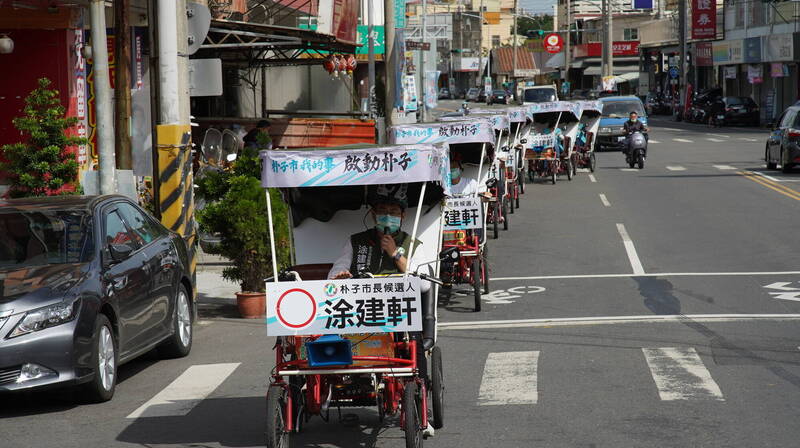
476 282
437 388
640 161
531 174
485 270
505 213
411 422
575 165
592 162
496 219
521 178
277 436
569 169
511 201
553 174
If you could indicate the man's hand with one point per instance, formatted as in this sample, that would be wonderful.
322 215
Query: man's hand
388 245
343 275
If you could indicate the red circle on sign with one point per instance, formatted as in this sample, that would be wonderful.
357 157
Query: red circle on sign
553 43
284 321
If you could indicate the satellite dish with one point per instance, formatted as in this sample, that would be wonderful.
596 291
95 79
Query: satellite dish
198 22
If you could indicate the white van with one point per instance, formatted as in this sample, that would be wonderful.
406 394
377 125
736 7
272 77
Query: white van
539 94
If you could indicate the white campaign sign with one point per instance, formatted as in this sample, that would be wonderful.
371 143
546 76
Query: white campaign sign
368 305
463 213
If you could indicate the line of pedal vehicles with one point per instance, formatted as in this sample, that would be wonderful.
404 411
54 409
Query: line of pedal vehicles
378 232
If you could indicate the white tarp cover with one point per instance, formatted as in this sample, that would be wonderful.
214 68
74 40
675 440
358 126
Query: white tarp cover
356 165
464 131
556 106
596 106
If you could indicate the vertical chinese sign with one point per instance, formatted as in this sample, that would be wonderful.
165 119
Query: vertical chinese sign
704 19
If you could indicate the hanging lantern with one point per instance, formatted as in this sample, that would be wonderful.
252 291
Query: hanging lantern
342 64
329 65
6 44
351 63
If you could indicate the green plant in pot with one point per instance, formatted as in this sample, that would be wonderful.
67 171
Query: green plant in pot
237 211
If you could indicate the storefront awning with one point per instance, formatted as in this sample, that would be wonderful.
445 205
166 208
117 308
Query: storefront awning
555 61
627 77
619 69
257 44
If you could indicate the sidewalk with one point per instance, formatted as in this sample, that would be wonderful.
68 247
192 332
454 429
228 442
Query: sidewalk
216 297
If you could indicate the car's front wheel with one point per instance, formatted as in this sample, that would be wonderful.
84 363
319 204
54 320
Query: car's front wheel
770 164
104 359
180 343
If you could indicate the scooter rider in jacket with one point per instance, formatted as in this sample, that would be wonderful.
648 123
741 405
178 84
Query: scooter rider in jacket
632 125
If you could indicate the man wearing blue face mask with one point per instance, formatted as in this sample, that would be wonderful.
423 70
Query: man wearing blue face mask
382 249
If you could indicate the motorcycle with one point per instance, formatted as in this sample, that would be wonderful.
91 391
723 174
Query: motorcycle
637 150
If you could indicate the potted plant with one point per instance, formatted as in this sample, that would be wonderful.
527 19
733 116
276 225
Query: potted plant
237 211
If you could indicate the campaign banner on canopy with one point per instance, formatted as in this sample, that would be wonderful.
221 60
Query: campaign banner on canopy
463 213
556 106
354 166
519 114
499 119
474 131
591 105
366 305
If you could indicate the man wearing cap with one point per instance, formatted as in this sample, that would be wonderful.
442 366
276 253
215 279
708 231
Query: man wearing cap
384 248
258 137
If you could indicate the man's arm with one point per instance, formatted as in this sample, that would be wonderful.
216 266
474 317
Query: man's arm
341 266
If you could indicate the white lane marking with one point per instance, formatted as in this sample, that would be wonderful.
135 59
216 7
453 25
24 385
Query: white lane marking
670 129
680 374
676 168
189 389
509 378
724 167
715 140
662 274
592 178
628 169
748 139
682 140
610 320
636 264
653 141
765 176
720 135
584 170
604 200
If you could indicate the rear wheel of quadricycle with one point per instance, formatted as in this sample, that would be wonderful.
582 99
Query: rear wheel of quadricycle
411 423
521 179
437 388
575 165
476 282
485 269
496 218
553 173
640 160
277 436
505 213
511 199
531 172
592 162
569 169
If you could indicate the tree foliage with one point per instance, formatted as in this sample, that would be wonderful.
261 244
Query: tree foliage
237 211
42 164
526 24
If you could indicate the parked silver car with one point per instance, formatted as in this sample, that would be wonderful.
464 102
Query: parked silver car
783 144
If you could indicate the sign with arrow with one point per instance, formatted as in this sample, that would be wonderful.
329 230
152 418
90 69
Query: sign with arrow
782 291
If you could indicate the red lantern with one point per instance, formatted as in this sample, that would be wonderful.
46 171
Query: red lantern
329 65
351 63
342 64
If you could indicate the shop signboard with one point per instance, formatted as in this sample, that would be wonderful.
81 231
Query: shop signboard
779 70
755 74
729 72
618 48
462 64
377 36
409 93
704 19
727 52
703 54
339 18
778 47
752 50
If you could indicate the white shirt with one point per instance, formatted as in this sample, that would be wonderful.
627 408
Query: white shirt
465 187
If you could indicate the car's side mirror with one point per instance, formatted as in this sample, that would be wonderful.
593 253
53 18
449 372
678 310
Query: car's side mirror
119 252
452 253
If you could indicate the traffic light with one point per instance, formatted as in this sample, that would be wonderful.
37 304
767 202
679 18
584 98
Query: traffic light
535 34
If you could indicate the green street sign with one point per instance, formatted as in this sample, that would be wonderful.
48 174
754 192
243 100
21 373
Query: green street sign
399 13
363 39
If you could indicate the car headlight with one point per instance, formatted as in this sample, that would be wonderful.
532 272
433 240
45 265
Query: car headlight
46 317
605 130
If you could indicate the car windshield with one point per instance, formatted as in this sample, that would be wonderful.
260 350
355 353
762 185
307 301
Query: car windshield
734 101
618 109
34 238
499 92
473 91
540 95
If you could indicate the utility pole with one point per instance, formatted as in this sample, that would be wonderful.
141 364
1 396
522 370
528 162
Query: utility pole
608 57
480 46
102 92
567 53
422 58
682 66
390 60
122 89
370 60
514 58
